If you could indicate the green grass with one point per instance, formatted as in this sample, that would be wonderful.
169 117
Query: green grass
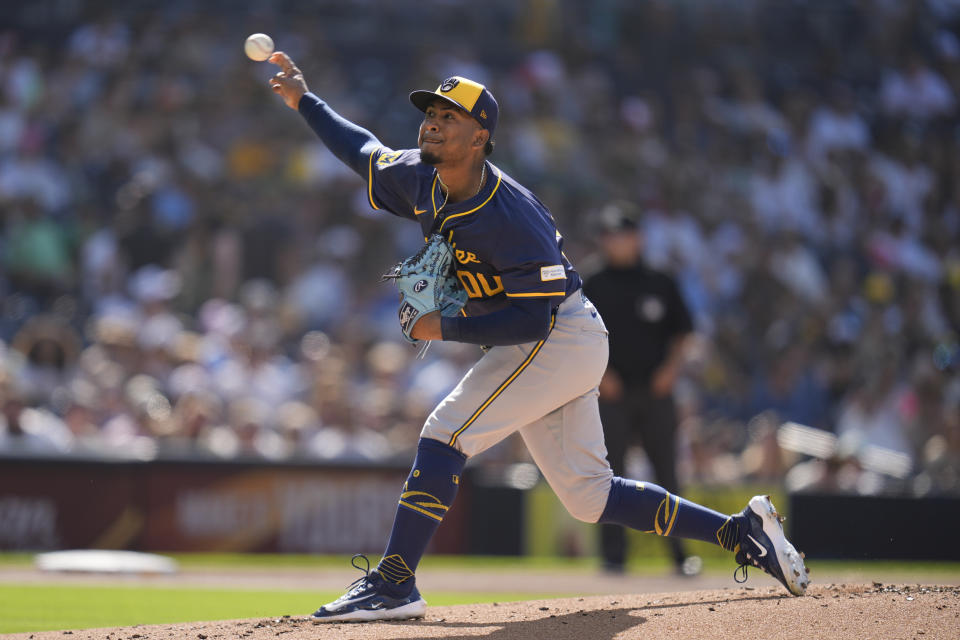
16 560
655 562
294 561
45 608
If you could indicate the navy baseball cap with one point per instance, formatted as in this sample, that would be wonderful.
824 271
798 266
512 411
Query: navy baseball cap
472 97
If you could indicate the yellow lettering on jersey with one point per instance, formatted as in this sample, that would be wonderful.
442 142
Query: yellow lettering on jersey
487 289
464 257
477 286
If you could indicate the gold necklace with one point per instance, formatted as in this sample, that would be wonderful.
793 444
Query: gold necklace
446 189
483 176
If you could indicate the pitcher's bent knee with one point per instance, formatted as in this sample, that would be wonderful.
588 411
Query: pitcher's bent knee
587 498
434 430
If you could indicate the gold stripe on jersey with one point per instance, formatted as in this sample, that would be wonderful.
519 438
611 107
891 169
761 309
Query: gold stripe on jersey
457 215
370 180
535 295
502 387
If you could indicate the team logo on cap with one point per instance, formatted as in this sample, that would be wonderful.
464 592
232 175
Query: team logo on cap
483 114
449 84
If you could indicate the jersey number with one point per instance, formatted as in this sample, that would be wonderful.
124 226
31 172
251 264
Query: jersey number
476 285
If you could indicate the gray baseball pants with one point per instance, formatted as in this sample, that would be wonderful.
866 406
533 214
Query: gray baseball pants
547 391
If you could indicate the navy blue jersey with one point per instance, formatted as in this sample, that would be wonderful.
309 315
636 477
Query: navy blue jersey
505 240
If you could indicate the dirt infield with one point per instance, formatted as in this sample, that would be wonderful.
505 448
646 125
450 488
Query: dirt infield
830 611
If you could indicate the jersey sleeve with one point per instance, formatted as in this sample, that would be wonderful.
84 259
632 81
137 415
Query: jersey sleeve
393 180
534 267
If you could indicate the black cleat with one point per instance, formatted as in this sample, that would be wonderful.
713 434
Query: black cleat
373 598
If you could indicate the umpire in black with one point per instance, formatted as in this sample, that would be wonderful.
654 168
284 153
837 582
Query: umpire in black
649 327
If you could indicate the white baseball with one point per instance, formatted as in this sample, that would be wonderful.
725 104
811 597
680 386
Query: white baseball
258 46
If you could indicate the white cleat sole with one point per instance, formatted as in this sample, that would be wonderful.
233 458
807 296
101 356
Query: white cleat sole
790 561
407 612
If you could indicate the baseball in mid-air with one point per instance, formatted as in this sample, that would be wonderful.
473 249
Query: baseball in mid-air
258 46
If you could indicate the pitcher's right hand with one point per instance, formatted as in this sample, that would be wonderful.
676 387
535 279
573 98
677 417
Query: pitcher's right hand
288 82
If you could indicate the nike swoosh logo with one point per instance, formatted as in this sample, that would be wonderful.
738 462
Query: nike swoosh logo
376 605
763 549
344 601
417 212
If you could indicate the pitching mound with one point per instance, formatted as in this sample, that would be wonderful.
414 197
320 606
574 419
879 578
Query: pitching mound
827 612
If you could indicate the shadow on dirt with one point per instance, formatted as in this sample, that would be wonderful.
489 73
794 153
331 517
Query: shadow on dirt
597 625
602 624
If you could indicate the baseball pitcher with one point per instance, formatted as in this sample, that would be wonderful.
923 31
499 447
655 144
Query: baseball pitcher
493 273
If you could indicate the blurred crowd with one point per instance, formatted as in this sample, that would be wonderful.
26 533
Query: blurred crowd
188 272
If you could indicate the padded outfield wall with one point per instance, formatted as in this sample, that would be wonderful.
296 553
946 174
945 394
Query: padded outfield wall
236 506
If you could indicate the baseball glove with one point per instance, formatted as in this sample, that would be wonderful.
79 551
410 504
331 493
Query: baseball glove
427 282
